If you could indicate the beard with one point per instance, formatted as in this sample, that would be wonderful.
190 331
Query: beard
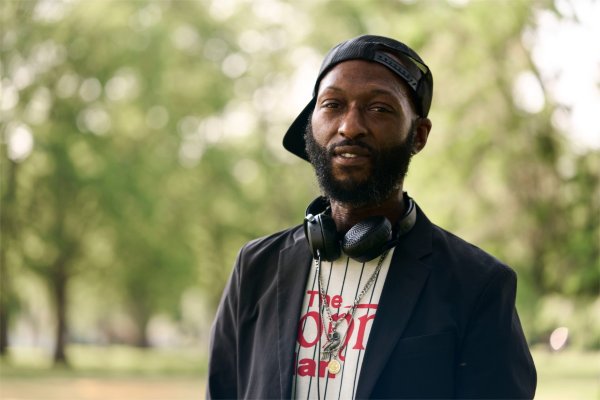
389 168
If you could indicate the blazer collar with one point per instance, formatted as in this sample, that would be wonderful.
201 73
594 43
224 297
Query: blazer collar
405 280
292 273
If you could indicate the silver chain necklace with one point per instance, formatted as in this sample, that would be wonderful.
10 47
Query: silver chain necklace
334 341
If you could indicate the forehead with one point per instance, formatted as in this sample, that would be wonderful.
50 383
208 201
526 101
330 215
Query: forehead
363 74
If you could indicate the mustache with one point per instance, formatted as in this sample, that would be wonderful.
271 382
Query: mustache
349 142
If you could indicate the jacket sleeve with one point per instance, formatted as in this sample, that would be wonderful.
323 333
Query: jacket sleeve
495 361
223 357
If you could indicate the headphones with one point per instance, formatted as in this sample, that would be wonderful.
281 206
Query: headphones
363 242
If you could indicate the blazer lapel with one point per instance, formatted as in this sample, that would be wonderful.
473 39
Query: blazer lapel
405 280
292 273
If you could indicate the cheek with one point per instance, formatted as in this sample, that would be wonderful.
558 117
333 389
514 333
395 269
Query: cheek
323 129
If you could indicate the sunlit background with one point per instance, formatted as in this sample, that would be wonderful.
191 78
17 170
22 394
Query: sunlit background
141 147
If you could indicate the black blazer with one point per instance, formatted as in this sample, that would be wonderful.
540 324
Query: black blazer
446 325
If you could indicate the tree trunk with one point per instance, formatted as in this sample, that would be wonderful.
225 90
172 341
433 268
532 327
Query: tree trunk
59 288
4 301
141 319
3 330
8 234
142 341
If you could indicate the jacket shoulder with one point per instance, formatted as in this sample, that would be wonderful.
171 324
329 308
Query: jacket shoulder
466 256
277 240
263 252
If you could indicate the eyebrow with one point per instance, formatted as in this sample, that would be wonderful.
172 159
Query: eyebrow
372 91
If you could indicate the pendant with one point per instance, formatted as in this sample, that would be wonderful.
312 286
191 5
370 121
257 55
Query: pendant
334 366
333 343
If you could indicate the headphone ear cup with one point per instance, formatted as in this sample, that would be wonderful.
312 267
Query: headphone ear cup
366 240
321 233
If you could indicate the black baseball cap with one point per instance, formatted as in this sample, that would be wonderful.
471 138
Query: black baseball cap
371 48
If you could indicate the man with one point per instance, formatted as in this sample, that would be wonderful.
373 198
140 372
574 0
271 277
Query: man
368 299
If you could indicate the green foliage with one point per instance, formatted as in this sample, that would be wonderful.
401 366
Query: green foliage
157 130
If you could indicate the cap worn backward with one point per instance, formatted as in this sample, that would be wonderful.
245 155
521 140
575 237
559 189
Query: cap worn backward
370 48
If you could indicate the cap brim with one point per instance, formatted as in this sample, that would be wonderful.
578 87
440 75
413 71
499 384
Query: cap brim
293 141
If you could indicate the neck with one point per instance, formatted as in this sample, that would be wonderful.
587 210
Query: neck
346 216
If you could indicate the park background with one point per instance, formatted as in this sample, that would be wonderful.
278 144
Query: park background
141 147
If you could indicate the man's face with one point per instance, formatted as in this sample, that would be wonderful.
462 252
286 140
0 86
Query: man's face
361 133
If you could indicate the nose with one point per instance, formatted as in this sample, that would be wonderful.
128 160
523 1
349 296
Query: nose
352 124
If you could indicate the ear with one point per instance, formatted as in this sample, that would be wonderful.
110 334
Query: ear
423 127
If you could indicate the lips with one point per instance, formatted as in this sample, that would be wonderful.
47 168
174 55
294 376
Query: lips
351 151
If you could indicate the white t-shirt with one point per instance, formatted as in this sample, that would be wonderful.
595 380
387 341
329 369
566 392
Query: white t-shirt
343 280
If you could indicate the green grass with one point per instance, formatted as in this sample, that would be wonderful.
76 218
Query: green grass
567 375
105 361
117 372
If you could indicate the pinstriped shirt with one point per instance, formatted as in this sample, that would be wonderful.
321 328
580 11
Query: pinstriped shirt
343 280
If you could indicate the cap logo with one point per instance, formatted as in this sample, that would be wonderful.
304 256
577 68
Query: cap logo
389 62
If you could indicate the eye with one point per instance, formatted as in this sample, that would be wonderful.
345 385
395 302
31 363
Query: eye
381 108
330 104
